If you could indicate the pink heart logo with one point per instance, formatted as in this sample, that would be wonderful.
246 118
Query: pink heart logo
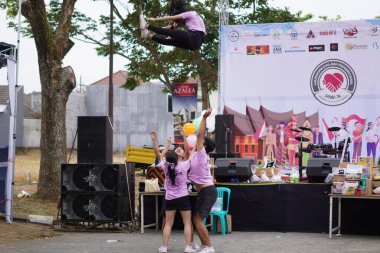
333 81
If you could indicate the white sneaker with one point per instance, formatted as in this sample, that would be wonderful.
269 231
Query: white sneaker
196 247
163 249
142 21
207 250
144 33
189 249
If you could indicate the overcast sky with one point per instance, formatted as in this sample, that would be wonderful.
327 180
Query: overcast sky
89 67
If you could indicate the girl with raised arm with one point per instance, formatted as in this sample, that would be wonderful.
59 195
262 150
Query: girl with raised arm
176 195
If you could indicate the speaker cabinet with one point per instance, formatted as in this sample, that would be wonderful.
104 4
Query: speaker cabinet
318 168
93 207
227 168
97 192
93 177
224 134
94 139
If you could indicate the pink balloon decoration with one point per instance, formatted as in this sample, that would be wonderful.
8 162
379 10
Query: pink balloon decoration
191 140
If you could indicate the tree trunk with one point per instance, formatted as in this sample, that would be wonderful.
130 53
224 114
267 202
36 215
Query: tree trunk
53 129
56 86
205 97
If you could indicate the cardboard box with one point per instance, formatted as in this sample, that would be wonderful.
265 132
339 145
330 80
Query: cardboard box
337 187
268 171
375 184
229 220
349 187
338 178
366 161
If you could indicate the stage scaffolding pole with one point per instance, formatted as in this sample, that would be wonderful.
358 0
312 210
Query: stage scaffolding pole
223 20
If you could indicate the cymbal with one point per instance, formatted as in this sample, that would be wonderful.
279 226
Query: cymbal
305 128
333 129
302 139
296 130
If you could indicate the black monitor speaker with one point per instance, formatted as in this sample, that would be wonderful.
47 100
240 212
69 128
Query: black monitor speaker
318 168
227 168
94 139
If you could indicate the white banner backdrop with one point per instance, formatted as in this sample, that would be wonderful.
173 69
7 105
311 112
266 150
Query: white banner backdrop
327 67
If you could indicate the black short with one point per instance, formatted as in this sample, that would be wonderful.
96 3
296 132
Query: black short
181 204
205 200
163 207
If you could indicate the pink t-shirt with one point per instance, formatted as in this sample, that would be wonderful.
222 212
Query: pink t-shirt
180 188
200 170
193 21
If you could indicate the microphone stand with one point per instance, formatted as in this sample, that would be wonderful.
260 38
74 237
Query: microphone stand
226 139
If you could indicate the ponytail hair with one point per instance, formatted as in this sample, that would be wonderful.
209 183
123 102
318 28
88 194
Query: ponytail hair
171 163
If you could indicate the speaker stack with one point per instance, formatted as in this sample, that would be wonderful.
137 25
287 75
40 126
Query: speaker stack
94 139
97 192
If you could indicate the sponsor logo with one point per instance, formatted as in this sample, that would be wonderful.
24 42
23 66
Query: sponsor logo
350 46
316 48
310 35
235 50
350 32
293 35
258 35
327 32
334 47
233 36
259 49
333 82
375 45
276 35
277 49
295 49
374 31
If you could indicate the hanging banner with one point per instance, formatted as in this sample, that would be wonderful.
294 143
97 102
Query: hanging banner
184 100
326 73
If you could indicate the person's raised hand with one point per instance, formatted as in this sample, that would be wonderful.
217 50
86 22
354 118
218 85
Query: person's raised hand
153 135
169 140
207 113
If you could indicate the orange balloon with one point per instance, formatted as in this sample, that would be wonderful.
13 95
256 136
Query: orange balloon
189 129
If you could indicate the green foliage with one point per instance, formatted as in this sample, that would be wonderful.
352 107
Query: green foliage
147 60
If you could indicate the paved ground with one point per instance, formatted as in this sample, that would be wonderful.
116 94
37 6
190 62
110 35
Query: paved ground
237 242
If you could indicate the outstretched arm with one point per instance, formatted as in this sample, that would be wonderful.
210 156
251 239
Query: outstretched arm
153 136
202 130
167 146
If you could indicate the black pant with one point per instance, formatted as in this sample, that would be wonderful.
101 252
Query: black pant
191 40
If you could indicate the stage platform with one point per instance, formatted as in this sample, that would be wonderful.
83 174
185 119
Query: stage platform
285 207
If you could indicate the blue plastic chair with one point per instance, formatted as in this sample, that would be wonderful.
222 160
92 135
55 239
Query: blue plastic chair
221 192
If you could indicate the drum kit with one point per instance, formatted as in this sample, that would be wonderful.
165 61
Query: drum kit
318 150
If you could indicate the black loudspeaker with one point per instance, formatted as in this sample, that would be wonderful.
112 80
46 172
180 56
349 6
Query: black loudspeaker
94 139
318 168
224 135
93 207
93 177
227 168
97 192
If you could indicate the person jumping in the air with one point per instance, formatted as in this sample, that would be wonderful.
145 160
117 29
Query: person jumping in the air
191 38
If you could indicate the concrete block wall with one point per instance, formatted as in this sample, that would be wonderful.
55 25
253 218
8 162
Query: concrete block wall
135 113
